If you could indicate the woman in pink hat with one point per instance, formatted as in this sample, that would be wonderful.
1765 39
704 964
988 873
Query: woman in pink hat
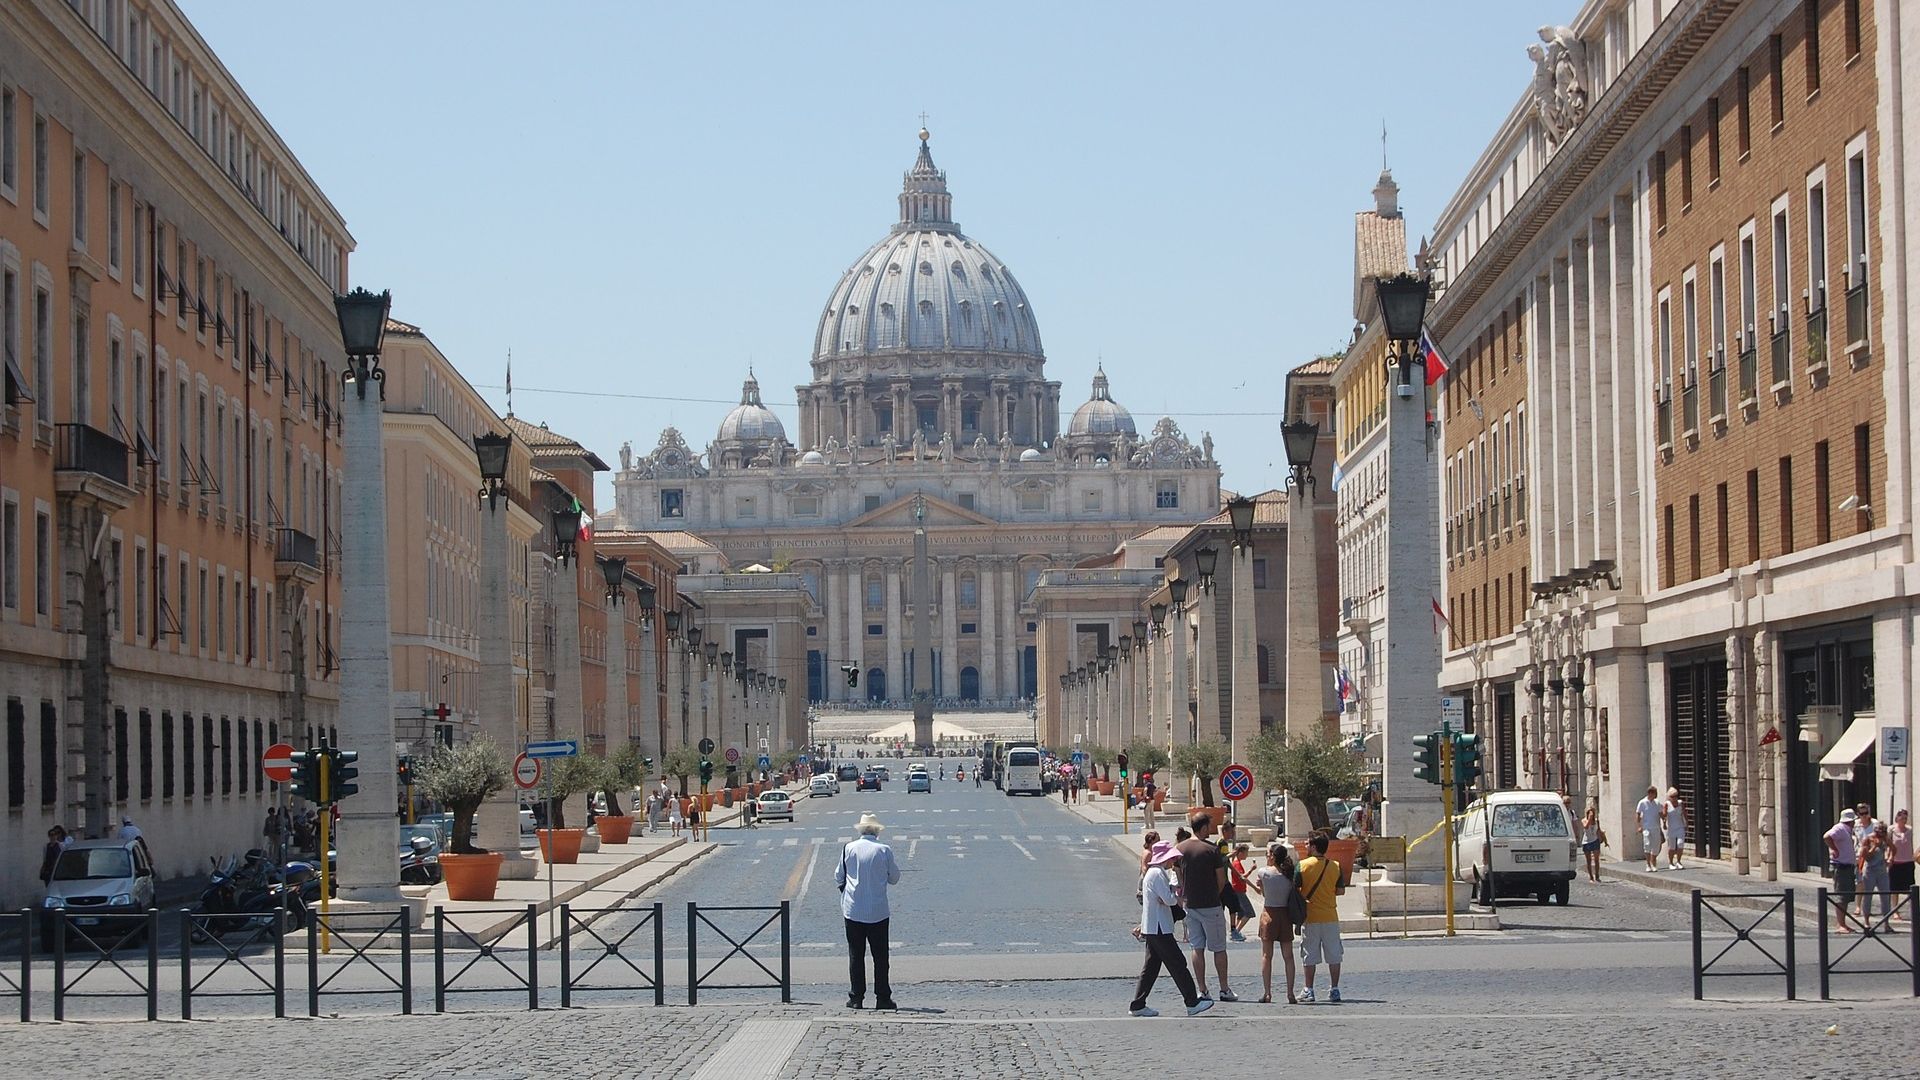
1158 900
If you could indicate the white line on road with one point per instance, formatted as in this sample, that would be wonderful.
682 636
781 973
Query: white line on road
791 841
813 860
1025 943
953 944
912 849
1023 850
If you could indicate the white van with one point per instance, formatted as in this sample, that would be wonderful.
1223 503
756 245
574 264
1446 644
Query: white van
1517 843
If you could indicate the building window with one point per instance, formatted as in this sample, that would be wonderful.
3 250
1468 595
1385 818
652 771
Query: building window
1776 81
876 592
968 628
1786 505
1033 499
969 591
1686 167
1816 247
1744 114
1856 268
1263 661
1713 141
870 503
16 753
40 166
1660 189
49 754
43 356
1811 46
146 755
806 506
672 503
80 201
1822 507
1167 495
965 500
1260 576
1090 500
1852 27
42 564
876 630
1753 515
166 755
9 154
9 555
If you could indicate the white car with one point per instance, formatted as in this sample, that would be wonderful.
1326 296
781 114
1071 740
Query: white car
1517 843
822 785
774 804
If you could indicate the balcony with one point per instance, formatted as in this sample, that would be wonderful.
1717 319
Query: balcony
1858 332
1750 370
296 557
1663 410
1816 344
92 465
1690 409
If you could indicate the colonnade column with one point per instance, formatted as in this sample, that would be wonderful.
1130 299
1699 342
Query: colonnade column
499 816
856 628
949 631
985 572
1246 667
896 669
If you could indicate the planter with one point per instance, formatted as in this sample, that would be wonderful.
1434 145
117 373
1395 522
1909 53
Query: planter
471 877
561 845
1217 813
1343 852
615 829
726 797
1159 799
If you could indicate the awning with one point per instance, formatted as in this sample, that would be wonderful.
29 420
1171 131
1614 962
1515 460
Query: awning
1837 764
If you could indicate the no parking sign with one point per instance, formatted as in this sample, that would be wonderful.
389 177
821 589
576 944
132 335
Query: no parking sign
1236 782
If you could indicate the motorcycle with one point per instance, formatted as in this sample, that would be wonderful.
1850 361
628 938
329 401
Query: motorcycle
242 891
420 864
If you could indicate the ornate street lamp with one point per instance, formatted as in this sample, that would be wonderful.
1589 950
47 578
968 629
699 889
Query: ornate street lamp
1064 677
1139 633
363 326
713 652
1113 655
693 634
783 684
1126 647
566 533
1204 561
673 619
1177 591
1301 438
492 450
1403 307
1158 613
616 574
1240 517
646 605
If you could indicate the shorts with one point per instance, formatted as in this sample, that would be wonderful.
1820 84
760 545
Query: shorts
1207 928
1590 846
1677 842
1651 840
1320 941
1843 881
1901 876
1276 925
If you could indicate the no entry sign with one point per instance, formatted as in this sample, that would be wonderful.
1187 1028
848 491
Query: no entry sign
526 771
1236 782
277 762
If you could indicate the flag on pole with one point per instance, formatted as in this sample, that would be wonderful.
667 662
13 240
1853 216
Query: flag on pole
1338 475
1436 363
1440 616
586 522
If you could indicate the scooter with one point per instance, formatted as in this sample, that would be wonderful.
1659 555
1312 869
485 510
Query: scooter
421 865
240 892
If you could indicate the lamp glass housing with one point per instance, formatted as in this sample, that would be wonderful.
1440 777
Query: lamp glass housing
673 616
492 450
363 320
1301 438
1140 631
646 596
616 574
1403 305
1177 589
1206 560
1158 612
1126 643
693 635
1240 513
712 649
566 525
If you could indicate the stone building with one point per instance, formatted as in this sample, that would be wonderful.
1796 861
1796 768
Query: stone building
1678 440
928 377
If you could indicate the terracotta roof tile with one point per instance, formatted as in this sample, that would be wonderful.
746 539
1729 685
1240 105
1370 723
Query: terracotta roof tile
1379 249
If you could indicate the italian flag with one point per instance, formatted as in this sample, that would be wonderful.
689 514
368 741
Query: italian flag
586 522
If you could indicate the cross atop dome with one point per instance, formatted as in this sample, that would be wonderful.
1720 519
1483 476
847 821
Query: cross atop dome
924 200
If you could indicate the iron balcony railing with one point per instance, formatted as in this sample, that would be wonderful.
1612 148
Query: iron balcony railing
1816 342
294 546
80 448
1690 407
1857 330
1664 411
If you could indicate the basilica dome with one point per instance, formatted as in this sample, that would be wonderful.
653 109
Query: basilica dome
750 421
927 286
1101 415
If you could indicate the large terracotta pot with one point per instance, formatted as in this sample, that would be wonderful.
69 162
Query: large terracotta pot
615 829
471 877
561 845
1343 852
1159 799
1217 813
726 797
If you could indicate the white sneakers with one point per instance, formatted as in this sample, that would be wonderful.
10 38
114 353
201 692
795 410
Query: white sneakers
1143 1011
1199 1007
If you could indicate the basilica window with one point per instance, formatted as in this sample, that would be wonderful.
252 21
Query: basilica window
806 506
969 411
1035 499
1168 495
743 507
969 592
1090 500
672 503
965 499
876 591
872 503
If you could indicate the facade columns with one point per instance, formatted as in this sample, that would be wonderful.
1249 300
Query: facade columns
1306 682
987 573
1246 666
856 630
650 733
569 716
499 816
1181 722
896 667
619 721
1412 662
949 631
368 858
1206 667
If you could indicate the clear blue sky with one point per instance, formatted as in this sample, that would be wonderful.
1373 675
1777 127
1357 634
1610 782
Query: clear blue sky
642 198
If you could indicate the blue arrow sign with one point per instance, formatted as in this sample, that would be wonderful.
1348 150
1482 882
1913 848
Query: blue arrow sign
556 748
765 761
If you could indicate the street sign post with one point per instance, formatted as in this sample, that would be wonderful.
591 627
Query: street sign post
1893 747
526 772
555 748
277 762
1236 782
706 747
1453 712
733 755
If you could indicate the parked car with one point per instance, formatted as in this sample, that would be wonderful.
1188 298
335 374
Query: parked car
822 785
869 781
919 780
774 804
105 887
1517 843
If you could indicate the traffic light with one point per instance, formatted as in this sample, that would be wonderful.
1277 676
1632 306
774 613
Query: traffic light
305 783
1121 760
706 770
647 764
1426 758
853 675
343 772
403 770
1467 766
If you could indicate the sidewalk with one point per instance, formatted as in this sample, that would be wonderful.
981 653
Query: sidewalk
1717 876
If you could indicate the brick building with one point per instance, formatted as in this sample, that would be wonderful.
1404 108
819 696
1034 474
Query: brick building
1677 481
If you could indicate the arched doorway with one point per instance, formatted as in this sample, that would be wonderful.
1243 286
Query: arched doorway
876 684
969 684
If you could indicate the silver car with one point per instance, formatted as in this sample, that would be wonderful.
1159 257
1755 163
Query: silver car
99 884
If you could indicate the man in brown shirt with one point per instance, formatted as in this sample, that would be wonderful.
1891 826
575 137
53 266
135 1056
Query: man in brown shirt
1203 878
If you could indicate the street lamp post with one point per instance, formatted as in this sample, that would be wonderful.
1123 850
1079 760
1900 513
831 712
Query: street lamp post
499 817
369 860
1306 701
1412 676
619 722
1245 661
1208 722
1179 661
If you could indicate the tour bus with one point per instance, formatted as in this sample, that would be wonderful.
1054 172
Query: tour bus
1019 772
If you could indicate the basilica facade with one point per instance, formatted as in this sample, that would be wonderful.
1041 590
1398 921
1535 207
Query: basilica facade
928 379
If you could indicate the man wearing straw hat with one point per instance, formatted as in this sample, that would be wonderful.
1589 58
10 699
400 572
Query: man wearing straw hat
866 869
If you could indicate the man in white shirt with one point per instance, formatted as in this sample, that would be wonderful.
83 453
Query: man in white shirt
866 869
1652 836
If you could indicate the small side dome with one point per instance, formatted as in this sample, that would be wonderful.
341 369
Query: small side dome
1101 415
750 421
813 457
1030 454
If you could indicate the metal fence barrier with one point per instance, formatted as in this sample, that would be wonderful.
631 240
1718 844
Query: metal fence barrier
1879 930
486 948
604 951
1742 933
782 982
102 950
17 929
196 928
399 925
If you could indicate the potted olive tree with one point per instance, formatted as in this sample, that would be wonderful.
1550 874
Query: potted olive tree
624 771
461 778
1312 769
1203 760
1144 757
565 778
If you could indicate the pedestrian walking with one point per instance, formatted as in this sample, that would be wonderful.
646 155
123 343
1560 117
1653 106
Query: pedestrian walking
1146 805
271 828
1592 839
866 869
1157 917
130 831
1237 891
1275 884
1900 858
1203 882
56 843
1874 878
1840 856
676 817
1319 882
1147 841
1653 837
1675 816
